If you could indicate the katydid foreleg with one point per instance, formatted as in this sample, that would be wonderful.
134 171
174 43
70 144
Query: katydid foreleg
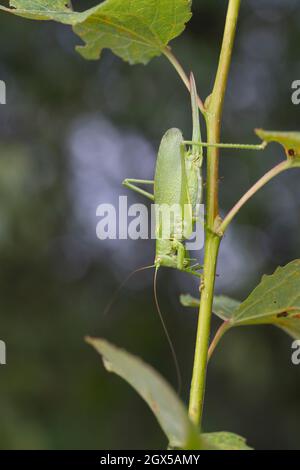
130 184
200 144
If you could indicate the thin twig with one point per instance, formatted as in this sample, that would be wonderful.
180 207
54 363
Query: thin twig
178 67
219 334
283 166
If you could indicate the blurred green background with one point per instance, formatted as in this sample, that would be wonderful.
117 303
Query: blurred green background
70 133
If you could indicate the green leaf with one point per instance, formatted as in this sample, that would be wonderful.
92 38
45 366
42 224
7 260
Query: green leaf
224 306
157 393
57 10
275 301
135 30
188 300
290 325
289 140
163 401
225 441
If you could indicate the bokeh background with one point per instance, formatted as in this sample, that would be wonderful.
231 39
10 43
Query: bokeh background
70 133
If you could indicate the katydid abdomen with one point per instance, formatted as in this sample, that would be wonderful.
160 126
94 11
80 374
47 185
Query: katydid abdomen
173 200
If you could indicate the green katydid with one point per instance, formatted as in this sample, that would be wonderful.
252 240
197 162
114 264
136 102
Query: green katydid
177 184
178 181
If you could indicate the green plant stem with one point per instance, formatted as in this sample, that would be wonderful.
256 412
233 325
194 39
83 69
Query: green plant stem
179 69
283 166
219 334
203 332
212 242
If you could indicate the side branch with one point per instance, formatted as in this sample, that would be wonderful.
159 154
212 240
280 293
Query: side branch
220 333
179 69
283 166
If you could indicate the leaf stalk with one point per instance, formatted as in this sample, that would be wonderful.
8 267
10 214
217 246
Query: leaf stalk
179 69
281 167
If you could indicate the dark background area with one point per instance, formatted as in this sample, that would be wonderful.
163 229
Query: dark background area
70 133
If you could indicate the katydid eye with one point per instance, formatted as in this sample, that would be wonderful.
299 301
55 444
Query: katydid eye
291 152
